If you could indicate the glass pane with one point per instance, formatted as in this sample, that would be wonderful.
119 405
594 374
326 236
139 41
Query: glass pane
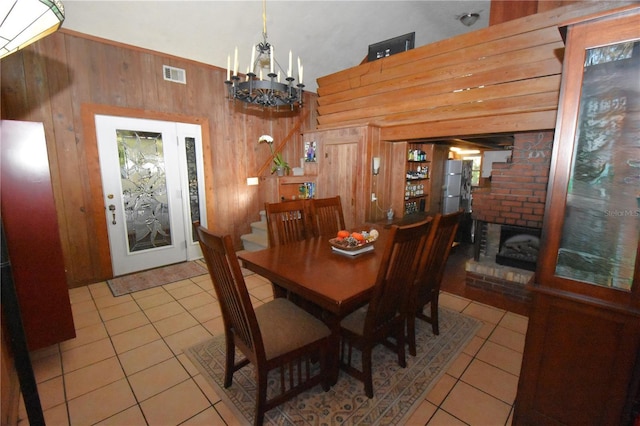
144 189
192 174
602 219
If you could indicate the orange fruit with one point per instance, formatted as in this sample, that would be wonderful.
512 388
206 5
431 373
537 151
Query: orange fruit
358 236
343 234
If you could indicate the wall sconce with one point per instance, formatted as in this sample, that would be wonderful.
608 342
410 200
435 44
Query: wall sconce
376 165
252 181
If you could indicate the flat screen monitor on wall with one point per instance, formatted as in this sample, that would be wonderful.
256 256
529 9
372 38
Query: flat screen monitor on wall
392 46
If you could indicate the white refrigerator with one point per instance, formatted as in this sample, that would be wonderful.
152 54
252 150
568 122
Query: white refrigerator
457 186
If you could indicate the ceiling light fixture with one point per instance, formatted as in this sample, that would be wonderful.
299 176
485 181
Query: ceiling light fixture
23 22
269 91
469 19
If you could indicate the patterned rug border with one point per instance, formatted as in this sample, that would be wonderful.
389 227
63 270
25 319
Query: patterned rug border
392 404
152 278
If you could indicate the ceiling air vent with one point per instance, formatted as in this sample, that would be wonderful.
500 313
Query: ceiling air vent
177 75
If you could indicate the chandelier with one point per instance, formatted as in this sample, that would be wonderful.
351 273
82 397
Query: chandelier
262 84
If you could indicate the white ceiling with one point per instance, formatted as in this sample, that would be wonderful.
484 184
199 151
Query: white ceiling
329 36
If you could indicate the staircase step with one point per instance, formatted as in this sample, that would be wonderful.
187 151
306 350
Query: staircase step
259 228
254 242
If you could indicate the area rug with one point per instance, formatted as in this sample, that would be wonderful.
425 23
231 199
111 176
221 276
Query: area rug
397 391
155 277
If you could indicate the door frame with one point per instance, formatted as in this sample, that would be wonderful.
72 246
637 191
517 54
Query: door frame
96 218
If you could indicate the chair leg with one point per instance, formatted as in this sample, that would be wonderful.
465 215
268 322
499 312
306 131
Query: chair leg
367 371
229 366
411 333
261 398
434 314
402 359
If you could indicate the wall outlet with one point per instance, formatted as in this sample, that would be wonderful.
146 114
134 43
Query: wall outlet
373 196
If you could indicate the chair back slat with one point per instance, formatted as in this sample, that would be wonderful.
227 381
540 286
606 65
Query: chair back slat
396 274
436 255
237 312
327 216
287 221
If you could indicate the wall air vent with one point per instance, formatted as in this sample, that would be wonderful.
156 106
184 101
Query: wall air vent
177 75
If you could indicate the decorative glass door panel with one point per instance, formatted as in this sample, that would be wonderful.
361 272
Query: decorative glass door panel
602 218
144 189
152 191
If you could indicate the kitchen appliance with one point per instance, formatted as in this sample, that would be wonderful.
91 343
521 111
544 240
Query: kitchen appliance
457 186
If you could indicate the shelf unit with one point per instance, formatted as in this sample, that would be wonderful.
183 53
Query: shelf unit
296 187
417 178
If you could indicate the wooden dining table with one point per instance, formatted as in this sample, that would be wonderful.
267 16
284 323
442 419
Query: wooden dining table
335 283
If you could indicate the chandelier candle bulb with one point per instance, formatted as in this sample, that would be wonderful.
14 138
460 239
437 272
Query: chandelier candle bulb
228 67
289 69
235 63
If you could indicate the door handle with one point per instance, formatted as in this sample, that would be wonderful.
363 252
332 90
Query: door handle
112 208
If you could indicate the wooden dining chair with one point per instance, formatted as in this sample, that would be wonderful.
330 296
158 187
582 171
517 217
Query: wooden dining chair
275 335
327 217
426 288
384 316
287 221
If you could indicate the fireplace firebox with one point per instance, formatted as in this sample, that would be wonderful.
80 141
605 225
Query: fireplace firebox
519 247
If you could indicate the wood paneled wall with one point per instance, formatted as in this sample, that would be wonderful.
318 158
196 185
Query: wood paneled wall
504 78
65 78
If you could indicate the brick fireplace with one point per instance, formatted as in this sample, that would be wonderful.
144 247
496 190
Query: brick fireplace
513 202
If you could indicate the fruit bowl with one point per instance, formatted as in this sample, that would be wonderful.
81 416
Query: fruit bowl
354 241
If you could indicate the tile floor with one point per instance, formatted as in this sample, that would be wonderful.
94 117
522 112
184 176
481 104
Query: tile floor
126 365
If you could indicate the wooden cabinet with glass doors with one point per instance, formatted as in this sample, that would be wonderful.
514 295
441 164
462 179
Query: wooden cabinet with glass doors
581 362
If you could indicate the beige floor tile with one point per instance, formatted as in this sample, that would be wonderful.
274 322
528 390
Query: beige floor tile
164 311
263 292
119 310
44 352
175 323
129 417
187 338
458 366
206 388
100 289
101 404
185 291
51 392
126 323
441 389
84 306
177 284
501 357
473 346
453 302
208 417
157 378
475 407
215 326
105 302
486 330
187 364
145 356
509 338
515 322
197 300
56 416
92 377
148 292
254 281
422 414
199 279
442 418
228 415
132 339
85 319
497 383
85 335
46 368
175 405
90 353
79 294
206 312
155 300
484 313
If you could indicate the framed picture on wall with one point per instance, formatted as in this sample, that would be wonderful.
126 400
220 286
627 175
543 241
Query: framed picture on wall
310 151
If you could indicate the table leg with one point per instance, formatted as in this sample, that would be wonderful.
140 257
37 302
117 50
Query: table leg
333 322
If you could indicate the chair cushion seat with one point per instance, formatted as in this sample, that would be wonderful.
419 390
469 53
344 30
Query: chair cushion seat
286 327
354 322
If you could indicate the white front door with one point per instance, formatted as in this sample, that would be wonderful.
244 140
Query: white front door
153 186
